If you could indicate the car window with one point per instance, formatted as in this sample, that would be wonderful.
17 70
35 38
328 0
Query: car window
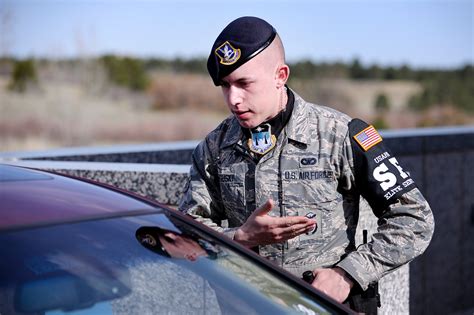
14 174
137 265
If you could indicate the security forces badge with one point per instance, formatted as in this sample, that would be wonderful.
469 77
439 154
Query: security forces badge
262 140
227 54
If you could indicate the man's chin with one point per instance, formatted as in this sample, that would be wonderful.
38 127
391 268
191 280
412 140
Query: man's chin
247 124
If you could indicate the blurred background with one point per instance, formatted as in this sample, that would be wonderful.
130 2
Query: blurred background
86 73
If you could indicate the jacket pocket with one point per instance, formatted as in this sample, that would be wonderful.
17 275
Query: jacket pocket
232 185
308 186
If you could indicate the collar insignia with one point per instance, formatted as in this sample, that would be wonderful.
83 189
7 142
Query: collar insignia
227 54
262 139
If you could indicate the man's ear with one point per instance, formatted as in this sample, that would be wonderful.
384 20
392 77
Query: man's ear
282 74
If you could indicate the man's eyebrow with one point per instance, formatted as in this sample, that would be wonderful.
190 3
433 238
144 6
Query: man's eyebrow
239 80
245 79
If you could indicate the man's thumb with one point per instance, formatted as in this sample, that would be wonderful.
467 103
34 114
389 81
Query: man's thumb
265 208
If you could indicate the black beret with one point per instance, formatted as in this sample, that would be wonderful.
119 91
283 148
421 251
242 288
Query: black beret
240 41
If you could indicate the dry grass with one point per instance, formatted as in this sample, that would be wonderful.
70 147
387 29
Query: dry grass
60 114
357 98
78 107
185 91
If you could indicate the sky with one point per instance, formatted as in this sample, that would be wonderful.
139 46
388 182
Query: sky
418 33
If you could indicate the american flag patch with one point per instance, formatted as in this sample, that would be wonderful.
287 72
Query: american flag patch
368 137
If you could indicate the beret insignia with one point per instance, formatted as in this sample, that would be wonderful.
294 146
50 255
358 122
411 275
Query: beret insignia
227 54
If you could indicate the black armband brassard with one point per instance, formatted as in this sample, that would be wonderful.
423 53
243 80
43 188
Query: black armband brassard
378 175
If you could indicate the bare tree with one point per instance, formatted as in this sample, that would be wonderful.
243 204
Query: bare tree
6 29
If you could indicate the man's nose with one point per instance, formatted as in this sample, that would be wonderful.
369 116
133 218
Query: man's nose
170 235
234 97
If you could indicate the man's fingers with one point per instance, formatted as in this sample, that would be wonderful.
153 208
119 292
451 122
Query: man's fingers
265 208
295 230
290 221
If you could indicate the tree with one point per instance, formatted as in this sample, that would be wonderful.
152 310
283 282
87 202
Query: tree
380 123
375 72
23 74
390 73
382 103
126 71
357 71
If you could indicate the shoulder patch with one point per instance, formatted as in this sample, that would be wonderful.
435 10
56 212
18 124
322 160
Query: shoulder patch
378 174
367 138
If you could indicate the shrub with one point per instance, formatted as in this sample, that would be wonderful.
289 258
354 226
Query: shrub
23 74
126 71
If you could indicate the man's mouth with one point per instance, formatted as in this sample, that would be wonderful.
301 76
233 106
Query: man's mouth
242 114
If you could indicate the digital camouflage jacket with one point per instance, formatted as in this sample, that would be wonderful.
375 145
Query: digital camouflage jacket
322 164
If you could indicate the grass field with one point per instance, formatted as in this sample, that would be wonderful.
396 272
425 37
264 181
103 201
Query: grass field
63 115
68 109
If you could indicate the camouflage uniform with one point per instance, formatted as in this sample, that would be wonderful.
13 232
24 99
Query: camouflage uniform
310 171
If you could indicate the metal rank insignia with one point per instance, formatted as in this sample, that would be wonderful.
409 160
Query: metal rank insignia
262 139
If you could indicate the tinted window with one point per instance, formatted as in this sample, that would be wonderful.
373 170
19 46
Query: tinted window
129 266
11 174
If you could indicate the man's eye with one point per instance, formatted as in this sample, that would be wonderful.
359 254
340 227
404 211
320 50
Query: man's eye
168 239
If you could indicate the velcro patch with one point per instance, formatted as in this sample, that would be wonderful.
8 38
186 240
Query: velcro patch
367 138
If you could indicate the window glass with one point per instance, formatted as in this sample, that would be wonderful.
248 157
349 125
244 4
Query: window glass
14 174
137 265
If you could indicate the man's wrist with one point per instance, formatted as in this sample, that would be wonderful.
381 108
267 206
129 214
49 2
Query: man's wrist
347 277
240 237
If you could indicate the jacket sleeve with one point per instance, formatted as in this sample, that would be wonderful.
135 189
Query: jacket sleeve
405 221
202 198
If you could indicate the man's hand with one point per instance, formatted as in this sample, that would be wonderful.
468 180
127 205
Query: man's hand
333 282
262 229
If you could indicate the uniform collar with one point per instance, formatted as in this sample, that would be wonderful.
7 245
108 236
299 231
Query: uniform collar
297 127
233 134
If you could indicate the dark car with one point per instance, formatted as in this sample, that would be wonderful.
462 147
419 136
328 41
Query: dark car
73 246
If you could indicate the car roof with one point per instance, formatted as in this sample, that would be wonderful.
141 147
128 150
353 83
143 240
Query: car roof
32 197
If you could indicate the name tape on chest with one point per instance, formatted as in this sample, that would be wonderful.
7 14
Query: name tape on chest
308 175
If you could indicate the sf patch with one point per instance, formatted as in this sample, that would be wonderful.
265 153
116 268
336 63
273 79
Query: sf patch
379 176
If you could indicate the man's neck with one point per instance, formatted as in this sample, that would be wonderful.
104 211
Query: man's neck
279 121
